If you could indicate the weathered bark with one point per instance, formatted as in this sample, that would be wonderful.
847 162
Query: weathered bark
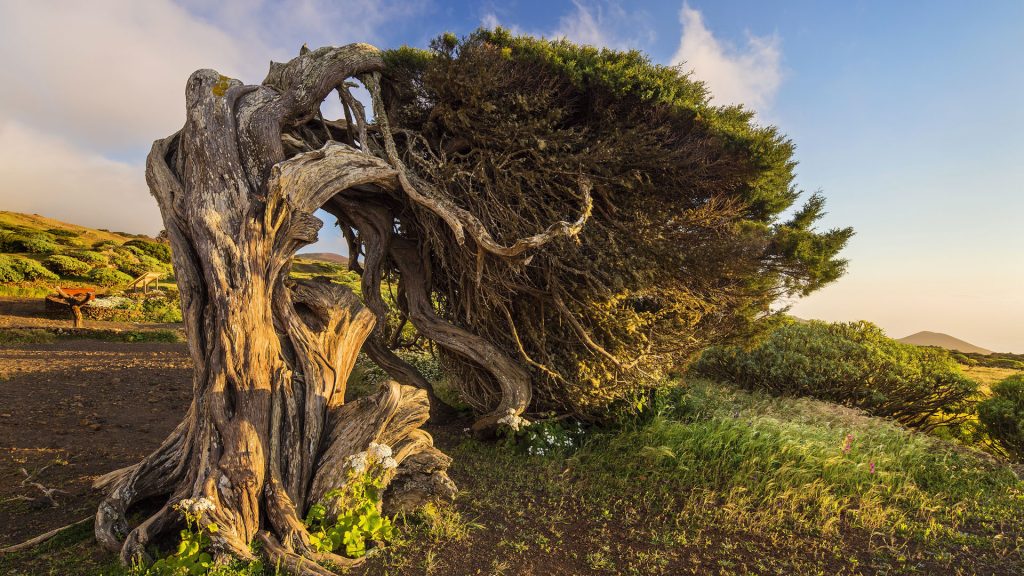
267 432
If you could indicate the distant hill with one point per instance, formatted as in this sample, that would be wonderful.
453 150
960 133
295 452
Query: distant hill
943 341
36 223
324 257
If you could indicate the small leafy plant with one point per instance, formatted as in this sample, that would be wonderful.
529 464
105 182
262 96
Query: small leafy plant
542 437
190 558
357 518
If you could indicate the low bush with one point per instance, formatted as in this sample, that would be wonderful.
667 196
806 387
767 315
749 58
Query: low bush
72 242
104 245
108 277
8 273
1002 415
19 268
91 256
126 261
161 252
161 310
30 243
66 265
853 364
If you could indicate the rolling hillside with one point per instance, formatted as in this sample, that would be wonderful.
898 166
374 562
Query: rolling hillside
941 340
37 223
324 257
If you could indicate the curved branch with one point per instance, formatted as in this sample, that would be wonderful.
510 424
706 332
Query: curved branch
458 219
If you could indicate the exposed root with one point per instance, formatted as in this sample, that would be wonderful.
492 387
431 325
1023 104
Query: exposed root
298 565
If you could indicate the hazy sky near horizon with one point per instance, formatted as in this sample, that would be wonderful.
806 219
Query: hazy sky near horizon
908 116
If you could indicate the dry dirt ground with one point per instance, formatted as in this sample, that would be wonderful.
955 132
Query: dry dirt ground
72 410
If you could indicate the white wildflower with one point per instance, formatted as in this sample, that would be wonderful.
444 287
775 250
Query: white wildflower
197 506
389 463
379 451
357 462
513 420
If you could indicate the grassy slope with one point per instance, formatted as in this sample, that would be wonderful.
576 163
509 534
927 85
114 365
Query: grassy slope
305 266
716 481
42 224
37 223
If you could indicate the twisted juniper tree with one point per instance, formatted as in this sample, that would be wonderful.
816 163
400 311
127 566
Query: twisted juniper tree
564 224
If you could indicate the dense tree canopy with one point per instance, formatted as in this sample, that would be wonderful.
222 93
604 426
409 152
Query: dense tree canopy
676 241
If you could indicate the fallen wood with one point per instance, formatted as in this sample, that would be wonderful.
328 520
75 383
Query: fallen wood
43 537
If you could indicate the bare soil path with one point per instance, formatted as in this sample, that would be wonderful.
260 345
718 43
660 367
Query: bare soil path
75 409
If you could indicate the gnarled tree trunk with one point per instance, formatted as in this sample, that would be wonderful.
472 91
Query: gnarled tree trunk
267 432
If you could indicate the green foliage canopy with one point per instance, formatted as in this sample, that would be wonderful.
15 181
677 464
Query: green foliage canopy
685 246
1002 415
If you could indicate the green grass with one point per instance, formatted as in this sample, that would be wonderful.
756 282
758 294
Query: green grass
305 268
719 481
25 290
777 463
9 336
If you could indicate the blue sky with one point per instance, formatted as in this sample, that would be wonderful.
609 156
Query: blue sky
906 115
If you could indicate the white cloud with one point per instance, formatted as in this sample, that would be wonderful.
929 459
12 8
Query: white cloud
45 175
107 75
602 24
750 76
85 85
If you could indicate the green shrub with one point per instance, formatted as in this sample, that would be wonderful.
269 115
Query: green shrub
62 233
38 243
66 265
71 242
1002 415
125 260
161 310
1007 363
161 252
104 245
91 256
108 277
152 264
853 364
8 272
19 268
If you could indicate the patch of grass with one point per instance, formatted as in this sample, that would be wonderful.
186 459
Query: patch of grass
986 376
26 336
305 268
45 336
25 290
720 481
770 463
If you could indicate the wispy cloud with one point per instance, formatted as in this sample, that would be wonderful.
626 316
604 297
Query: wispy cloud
87 86
749 76
602 23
